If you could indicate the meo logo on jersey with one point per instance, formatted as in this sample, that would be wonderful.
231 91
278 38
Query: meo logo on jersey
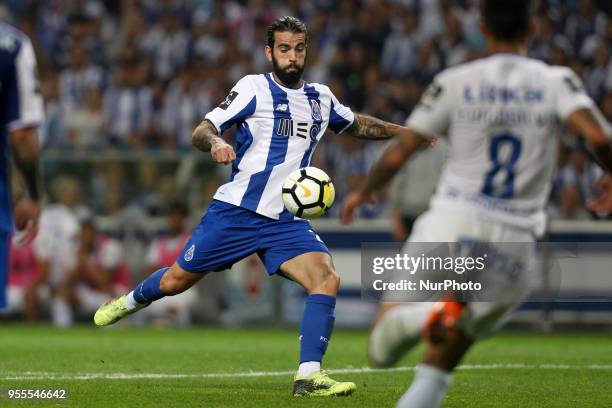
189 254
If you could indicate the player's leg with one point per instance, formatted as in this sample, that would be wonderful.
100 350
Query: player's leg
164 282
396 330
447 343
316 273
226 234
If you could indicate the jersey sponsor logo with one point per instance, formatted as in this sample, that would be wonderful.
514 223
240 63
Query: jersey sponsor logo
189 254
493 94
282 107
289 127
228 100
315 110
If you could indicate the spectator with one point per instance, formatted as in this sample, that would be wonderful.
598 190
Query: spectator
86 128
167 44
398 56
185 104
163 251
99 272
76 79
128 104
55 245
26 295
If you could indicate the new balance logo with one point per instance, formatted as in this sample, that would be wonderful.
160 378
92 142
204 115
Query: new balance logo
282 107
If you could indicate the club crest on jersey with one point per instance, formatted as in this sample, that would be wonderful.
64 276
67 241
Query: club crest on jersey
189 254
315 110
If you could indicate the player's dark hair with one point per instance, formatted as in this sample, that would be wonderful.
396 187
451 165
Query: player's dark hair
507 20
284 24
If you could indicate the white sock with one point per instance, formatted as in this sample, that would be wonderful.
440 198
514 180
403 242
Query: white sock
428 388
309 367
61 313
130 302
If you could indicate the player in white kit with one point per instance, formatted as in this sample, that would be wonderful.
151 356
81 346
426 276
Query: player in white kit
502 116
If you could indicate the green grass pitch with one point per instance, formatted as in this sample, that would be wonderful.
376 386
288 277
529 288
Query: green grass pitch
194 367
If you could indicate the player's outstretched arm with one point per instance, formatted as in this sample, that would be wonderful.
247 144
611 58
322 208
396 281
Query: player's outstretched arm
594 128
24 144
392 159
371 128
206 138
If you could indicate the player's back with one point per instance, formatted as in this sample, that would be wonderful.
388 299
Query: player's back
502 116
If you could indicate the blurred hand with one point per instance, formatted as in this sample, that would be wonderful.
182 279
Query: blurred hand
351 203
25 213
222 152
603 202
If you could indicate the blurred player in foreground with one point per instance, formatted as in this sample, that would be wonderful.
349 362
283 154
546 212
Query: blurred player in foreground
502 115
280 118
21 111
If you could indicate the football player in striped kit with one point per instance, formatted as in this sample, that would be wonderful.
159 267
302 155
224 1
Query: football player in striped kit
21 112
280 118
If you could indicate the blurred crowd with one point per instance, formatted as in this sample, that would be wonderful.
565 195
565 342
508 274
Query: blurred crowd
138 75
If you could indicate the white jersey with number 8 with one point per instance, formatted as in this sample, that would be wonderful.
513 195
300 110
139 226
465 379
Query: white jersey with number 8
502 116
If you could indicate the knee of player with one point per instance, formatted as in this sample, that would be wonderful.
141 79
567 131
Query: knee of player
328 276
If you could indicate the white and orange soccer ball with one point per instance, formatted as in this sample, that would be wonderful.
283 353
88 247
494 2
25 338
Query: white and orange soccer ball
308 192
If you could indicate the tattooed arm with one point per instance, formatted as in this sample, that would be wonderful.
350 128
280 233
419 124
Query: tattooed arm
371 128
392 159
206 138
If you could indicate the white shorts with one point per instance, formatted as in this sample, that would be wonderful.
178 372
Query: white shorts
452 223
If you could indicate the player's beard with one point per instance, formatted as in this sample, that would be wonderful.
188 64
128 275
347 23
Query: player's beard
289 78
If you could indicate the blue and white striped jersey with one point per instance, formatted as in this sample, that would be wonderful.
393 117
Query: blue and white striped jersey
277 131
20 104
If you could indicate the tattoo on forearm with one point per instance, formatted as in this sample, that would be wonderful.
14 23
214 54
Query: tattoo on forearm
204 136
368 127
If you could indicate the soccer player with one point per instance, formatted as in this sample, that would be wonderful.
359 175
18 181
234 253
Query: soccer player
21 111
502 116
280 118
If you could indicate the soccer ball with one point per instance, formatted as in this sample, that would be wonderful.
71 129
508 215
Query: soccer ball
308 192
